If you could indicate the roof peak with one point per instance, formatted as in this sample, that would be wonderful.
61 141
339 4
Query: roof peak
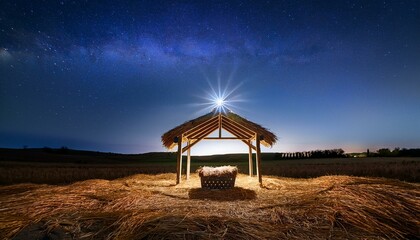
221 111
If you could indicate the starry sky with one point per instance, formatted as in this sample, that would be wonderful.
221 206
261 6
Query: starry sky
114 76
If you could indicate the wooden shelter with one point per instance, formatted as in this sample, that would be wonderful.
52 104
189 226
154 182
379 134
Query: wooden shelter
198 129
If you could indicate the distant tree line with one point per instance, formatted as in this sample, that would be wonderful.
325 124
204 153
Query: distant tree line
62 150
397 152
339 153
330 153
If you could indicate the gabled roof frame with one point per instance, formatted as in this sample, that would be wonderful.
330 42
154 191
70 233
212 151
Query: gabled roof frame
200 128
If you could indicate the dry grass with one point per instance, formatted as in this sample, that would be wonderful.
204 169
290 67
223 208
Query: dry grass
223 171
151 206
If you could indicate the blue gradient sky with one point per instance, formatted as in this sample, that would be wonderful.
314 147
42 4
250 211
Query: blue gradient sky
115 76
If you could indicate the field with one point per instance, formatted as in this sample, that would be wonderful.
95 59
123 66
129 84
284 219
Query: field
68 166
405 169
307 199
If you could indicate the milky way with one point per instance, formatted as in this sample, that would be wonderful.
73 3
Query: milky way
114 76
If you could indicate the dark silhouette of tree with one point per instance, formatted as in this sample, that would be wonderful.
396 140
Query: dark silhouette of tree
384 152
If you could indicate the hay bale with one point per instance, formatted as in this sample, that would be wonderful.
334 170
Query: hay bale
223 171
218 177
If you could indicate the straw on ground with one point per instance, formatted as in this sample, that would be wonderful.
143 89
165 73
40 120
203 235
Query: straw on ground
151 206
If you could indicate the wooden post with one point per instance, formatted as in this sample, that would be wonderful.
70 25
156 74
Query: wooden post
179 161
188 160
250 159
220 125
258 158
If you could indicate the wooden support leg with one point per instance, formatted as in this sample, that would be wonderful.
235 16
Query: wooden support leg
179 161
250 160
188 161
259 159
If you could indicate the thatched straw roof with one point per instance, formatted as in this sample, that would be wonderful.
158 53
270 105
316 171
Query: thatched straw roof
208 123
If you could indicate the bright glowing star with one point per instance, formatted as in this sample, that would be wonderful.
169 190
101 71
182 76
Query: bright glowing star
221 99
220 102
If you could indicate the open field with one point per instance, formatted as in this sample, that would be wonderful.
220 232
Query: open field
300 198
151 206
63 171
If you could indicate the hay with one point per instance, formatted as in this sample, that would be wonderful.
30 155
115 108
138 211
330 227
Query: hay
218 177
235 194
148 206
223 171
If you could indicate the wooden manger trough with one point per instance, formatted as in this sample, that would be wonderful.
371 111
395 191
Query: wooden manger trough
218 177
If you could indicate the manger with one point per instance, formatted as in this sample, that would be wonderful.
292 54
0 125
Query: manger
218 177
198 129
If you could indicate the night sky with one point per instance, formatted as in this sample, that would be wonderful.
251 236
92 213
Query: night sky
114 76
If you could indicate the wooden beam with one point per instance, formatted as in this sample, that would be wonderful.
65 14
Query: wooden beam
249 144
250 160
199 127
244 141
258 158
247 129
199 139
201 124
238 129
235 133
242 126
188 160
225 138
179 160
204 130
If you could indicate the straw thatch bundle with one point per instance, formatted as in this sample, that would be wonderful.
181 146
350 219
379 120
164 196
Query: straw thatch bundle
223 171
268 138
